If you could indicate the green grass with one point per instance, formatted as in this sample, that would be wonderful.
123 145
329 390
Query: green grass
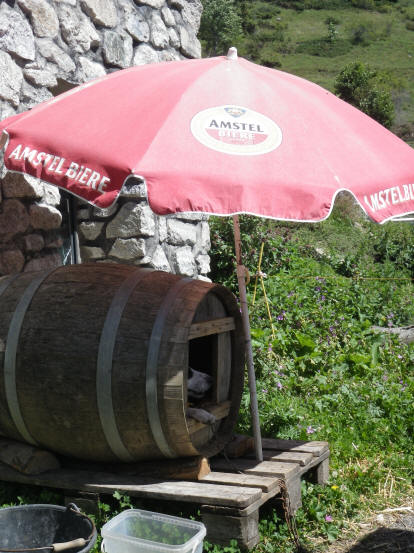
386 44
323 373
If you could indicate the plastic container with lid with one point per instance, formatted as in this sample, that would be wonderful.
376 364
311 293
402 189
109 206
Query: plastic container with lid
136 531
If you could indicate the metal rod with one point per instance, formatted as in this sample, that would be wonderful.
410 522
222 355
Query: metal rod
254 409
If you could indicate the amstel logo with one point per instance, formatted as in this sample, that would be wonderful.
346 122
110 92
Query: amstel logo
236 130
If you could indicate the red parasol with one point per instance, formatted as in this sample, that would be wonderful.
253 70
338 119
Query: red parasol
218 135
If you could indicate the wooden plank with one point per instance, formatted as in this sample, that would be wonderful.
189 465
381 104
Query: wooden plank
299 457
191 492
26 458
219 411
265 468
222 362
214 326
316 448
239 446
265 483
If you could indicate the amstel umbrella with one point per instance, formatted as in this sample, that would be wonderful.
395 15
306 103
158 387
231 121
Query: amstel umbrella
218 135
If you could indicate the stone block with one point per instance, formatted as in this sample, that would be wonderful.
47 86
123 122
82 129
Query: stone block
11 78
91 253
44 217
51 195
134 188
157 4
89 70
52 52
34 242
203 262
203 237
132 220
31 96
181 233
137 27
40 77
90 230
145 54
11 261
190 45
14 218
159 34
16 35
183 261
77 30
168 16
42 16
43 263
102 12
16 185
117 49
159 260
128 249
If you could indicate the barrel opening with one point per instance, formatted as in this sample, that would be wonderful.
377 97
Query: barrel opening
201 372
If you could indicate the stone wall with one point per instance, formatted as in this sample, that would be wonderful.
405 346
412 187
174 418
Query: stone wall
47 47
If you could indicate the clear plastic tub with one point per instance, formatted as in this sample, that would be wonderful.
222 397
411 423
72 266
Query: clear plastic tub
136 531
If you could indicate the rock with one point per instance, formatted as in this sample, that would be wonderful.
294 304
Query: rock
31 96
89 70
70 2
157 4
137 27
180 233
117 49
34 242
16 36
16 185
159 260
168 16
42 16
162 229
44 217
203 262
11 261
132 220
6 110
134 188
203 238
14 217
183 261
11 79
102 12
128 249
168 55
90 230
43 263
404 333
159 34
77 30
51 195
145 54
174 38
190 45
52 52
91 253
40 77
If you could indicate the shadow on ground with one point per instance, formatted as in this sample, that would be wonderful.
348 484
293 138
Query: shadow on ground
385 540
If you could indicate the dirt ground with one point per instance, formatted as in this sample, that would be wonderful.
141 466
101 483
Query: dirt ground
391 531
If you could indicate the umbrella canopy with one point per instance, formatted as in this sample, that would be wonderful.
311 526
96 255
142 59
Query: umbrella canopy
218 135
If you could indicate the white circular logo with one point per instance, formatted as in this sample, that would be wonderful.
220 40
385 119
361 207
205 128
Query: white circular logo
236 130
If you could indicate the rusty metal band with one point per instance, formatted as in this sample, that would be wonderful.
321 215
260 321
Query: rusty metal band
152 369
104 364
11 353
6 281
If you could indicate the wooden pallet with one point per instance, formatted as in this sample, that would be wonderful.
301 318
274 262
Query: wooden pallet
229 496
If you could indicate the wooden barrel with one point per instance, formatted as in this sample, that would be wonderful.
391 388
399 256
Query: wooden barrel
94 362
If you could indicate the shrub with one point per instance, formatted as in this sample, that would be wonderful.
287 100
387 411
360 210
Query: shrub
365 89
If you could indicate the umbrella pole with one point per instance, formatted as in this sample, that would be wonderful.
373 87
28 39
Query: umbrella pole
241 273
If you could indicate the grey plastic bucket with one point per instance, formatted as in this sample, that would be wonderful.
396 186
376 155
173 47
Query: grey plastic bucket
48 528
